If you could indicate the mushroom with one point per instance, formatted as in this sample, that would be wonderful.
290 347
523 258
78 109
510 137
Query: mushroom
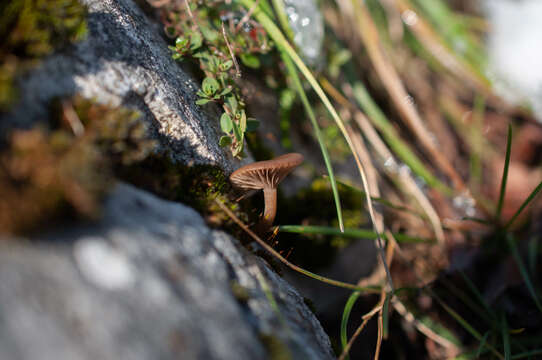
266 175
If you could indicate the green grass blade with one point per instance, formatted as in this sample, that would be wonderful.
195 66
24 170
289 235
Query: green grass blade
524 205
385 316
527 354
505 338
283 20
350 233
482 344
346 315
468 327
452 28
478 295
318 133
382 201
504 173
392 138
523 271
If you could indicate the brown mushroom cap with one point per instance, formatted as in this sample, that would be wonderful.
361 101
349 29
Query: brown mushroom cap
265 174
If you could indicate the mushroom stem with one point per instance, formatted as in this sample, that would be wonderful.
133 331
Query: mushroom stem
270 198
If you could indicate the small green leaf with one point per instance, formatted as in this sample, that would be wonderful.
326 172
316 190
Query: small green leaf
225 123
243 121
238 134
181 42
209 34
210 86
238 151
252 124
224 141
225 66
176 56
195 41
232 103
250 61
202 101
226 91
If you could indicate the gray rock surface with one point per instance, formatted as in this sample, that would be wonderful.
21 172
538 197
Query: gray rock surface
125 60
149 281
514 50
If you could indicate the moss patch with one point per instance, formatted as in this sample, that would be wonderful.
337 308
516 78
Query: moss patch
31 30
194 185
275 347
241 293
315 206
48 173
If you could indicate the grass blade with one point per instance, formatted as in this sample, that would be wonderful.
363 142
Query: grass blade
477 294
466 325
346 315
351 233
482 343
382 201
505 172
527 354
524 205
317 132
392 138
385 316
523 271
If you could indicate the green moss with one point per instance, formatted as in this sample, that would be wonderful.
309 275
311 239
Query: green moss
35 28
314 206
31 30
240 292
275 347
194 185
47 174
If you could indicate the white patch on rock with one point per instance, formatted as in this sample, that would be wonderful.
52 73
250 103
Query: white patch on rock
514 50
102 265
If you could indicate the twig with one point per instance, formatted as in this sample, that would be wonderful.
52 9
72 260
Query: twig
366 319
237 71
286 262
72 119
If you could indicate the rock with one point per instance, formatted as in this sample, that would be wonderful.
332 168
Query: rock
514 54
307 25
125 60
148 281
